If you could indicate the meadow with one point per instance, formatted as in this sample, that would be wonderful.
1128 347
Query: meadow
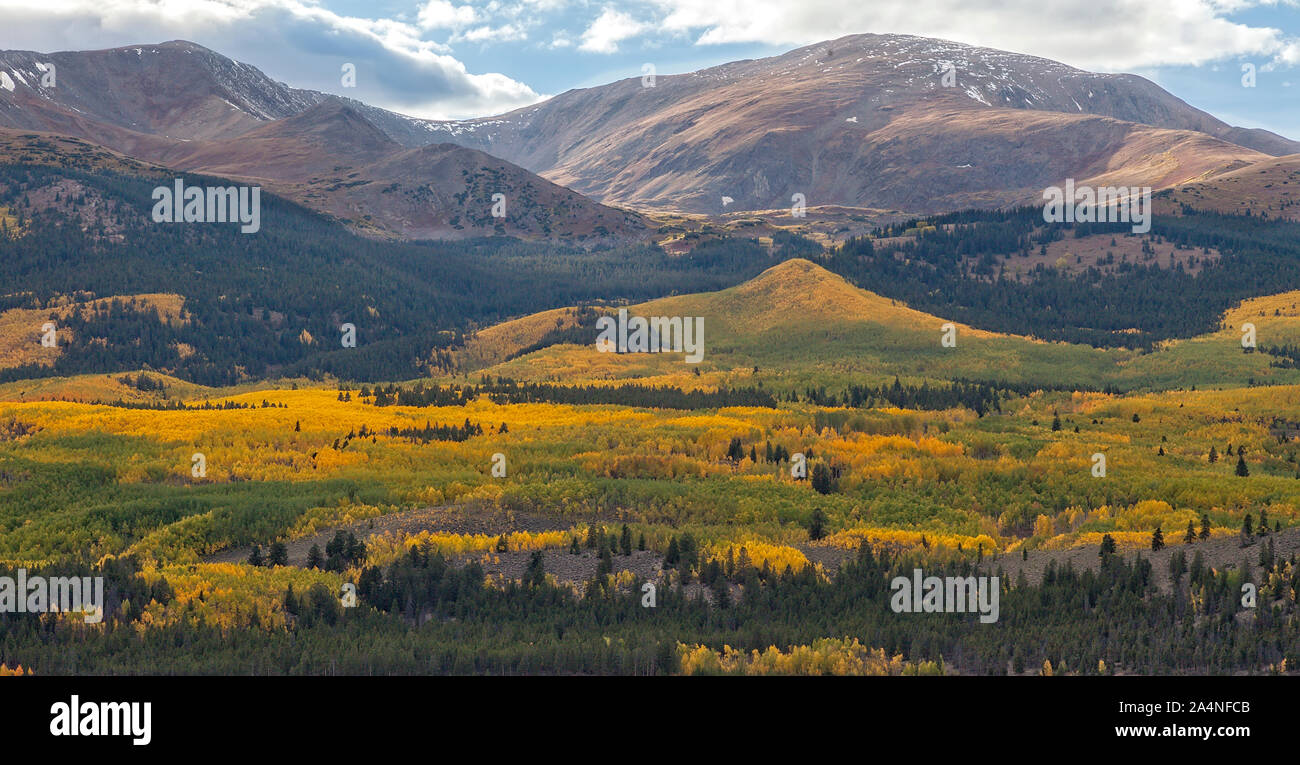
752 508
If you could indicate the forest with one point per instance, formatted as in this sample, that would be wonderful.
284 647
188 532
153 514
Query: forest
424 616
948 265
202 442
273 304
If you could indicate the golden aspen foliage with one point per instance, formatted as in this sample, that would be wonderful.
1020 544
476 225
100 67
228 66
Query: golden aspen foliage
825 656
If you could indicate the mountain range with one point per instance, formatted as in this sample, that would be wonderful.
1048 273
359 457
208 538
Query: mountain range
890 122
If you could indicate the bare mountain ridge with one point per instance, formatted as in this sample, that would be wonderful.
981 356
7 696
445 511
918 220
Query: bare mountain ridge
844 123
863 121
184 107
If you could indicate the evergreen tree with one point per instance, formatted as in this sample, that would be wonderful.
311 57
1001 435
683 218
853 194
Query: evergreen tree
625 540
721 592
314 557
822 482
1205 526
1157 540
817 524
1190 536
1242 470
279 555
255 557
1107 546
606 556
535 574
1177 566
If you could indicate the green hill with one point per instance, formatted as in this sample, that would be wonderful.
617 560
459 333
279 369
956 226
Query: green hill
800 325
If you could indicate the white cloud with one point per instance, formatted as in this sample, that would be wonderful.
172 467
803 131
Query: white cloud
608 30
1103 35
440 14
485 33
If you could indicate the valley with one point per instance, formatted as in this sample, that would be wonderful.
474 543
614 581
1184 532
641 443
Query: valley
646 380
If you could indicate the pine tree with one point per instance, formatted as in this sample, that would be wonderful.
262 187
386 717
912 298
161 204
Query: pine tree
1157 540
822 482
535 574
625 541
255 557
606 556
1107 546
721 592
640 542
279 555
817 524
314 557
1205 526
1177 566
1214 455
1190 536
1242 470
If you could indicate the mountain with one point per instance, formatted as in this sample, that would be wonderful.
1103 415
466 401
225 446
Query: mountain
332 159
181 106
864 121
175 90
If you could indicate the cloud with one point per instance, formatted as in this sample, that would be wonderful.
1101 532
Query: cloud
440 14
398 66
608 30
1103 35
485 33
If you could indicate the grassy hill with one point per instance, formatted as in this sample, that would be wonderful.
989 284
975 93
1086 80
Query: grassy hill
800 325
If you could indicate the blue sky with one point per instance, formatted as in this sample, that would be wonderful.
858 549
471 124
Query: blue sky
462 58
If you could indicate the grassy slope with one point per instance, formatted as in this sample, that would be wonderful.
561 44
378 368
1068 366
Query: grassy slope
800 325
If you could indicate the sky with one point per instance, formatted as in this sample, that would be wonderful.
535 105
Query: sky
452 59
